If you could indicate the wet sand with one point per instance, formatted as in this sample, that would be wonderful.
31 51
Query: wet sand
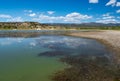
109 37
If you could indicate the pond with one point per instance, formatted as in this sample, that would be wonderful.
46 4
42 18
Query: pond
37 55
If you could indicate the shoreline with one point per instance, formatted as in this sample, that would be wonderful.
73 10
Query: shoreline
111 38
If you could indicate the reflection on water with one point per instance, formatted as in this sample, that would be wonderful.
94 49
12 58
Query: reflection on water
35 56
72 44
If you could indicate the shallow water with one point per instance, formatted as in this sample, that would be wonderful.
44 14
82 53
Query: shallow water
36 58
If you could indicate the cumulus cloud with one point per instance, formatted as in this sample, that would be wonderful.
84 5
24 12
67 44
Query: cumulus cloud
118 4
5 16
93 1
50 12
107 18
10 18
76 17
111 2
71 17
32 14
15 19
118 11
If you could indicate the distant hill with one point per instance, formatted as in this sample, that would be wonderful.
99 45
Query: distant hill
22 25
83 24
41 26
91 25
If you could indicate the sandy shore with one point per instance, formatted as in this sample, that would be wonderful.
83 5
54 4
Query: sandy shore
109 37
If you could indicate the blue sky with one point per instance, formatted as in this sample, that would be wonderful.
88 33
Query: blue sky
60 11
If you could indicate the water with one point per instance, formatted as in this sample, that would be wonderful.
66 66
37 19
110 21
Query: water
35 57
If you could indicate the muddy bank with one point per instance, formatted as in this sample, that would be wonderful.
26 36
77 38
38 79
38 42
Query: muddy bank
87 68
83 65
109 37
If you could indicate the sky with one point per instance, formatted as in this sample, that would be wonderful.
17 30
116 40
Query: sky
60 11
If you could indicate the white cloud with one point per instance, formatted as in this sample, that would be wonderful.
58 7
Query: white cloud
118 11
106 21
118 4
76 17
50 12
93 1
111 2
15 19
32 14
47 18
72 17
5 16
30 11
107 14
107 18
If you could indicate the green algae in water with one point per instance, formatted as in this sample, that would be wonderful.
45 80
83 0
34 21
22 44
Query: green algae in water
19 61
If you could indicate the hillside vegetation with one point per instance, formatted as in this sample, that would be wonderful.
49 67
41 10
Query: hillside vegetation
47 26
